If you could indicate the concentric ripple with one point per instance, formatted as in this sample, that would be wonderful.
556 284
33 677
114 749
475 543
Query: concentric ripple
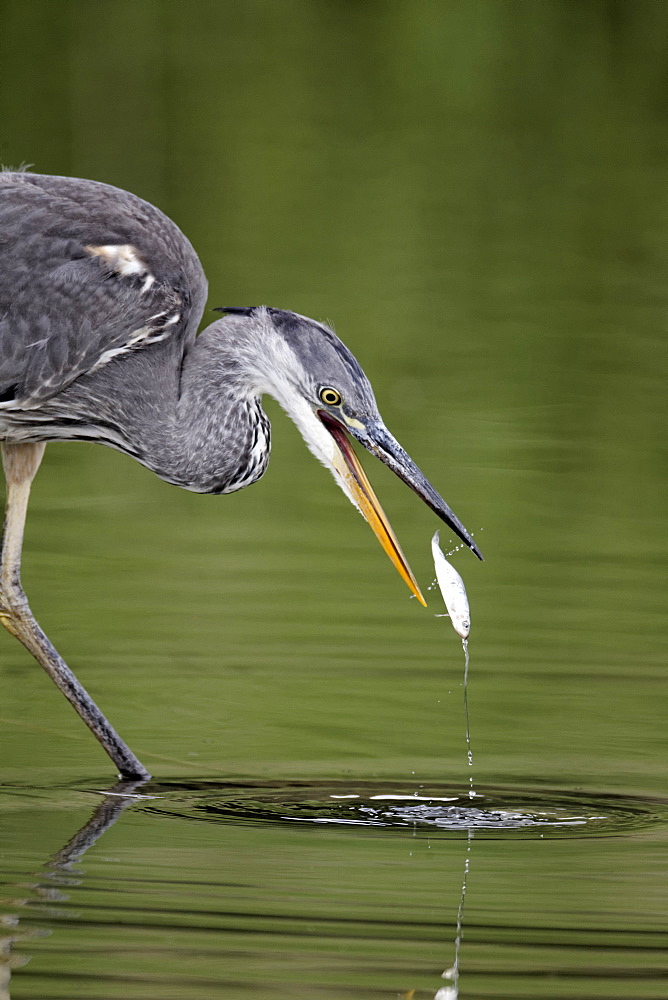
384 806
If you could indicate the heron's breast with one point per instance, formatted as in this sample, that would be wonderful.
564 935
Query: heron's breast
252 457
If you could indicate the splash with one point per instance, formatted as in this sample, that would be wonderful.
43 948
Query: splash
469 751
456 601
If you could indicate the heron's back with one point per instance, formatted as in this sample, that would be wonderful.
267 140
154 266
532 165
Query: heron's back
87 272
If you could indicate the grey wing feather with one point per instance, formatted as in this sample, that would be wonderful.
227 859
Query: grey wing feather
87 271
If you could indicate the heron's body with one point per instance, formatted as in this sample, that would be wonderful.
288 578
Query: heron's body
101 296
71 307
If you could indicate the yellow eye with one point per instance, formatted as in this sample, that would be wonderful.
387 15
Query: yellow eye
330 396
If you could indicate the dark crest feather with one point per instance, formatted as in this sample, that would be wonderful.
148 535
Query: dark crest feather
236 310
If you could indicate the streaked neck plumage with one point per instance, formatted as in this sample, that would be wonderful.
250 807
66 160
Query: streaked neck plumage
196 421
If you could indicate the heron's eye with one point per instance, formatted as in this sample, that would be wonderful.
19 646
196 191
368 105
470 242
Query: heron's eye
330 396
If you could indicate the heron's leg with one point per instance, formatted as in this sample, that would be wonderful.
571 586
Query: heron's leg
21 462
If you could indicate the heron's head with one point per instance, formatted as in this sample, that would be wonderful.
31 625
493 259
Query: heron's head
322 387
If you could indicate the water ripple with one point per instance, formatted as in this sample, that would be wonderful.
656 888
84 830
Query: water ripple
381 805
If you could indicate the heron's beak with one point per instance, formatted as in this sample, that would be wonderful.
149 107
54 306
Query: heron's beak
361 492
378 440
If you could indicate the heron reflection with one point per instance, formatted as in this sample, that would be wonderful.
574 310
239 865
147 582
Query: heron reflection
55 879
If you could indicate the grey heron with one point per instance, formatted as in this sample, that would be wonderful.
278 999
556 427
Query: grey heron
101 296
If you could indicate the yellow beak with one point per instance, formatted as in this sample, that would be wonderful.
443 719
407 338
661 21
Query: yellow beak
358 486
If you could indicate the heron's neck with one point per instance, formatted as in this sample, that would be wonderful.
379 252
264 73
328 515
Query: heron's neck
195 420
219 437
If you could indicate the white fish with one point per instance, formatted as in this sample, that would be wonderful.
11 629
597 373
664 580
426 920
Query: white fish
453 590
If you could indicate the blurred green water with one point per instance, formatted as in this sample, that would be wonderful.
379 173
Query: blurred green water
474 194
